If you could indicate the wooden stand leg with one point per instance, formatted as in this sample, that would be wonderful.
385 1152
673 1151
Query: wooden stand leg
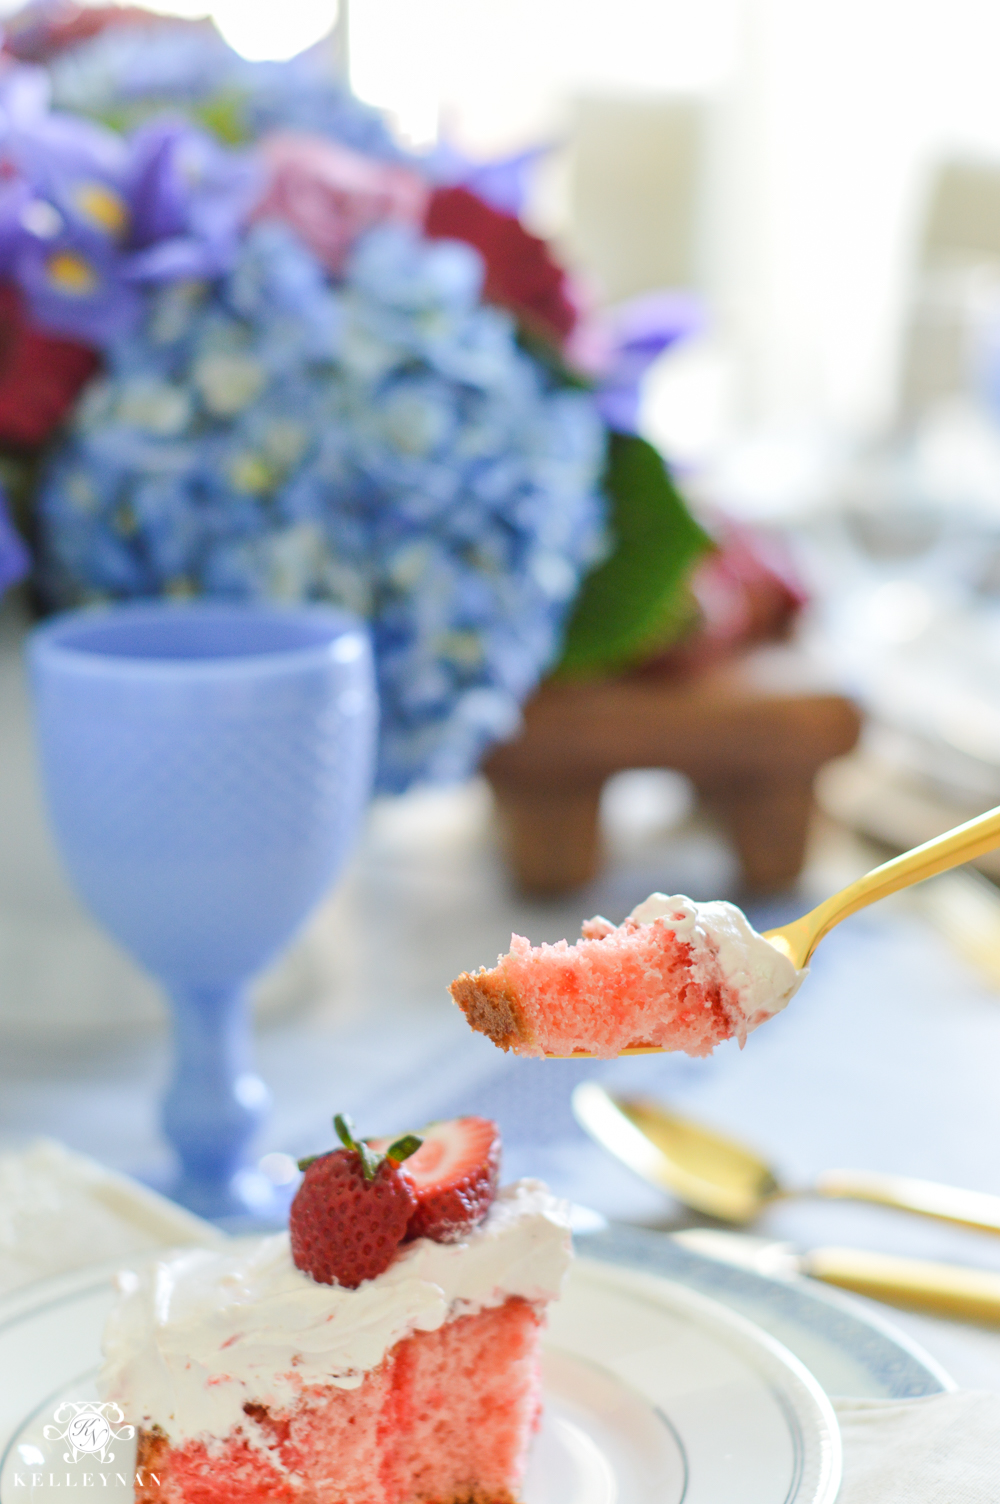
769 825
551 836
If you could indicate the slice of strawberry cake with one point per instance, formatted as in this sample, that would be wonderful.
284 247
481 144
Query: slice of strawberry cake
385 1352
676 975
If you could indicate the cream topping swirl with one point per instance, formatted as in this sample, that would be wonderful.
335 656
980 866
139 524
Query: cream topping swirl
201 1332
721 937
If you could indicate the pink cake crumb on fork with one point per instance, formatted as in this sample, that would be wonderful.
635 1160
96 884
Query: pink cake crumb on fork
675 975
447 1416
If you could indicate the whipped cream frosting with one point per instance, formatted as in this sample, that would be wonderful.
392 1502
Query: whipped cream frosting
201 1332
723 940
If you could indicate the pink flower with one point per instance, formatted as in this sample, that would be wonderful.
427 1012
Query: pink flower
330 195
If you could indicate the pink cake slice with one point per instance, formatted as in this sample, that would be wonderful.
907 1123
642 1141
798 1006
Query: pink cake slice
249 1380
675 975
447 1416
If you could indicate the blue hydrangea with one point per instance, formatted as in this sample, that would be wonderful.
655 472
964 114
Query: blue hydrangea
384 444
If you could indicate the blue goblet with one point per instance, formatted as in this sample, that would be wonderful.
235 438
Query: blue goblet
206 768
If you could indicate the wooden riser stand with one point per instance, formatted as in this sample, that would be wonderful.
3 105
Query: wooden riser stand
751 734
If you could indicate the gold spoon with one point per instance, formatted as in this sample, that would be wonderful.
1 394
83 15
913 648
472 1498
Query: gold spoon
720 1177
799 939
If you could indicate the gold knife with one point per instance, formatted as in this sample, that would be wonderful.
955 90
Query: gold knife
953 1290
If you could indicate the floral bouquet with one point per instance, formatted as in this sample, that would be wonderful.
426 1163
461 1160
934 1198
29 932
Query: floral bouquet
250 348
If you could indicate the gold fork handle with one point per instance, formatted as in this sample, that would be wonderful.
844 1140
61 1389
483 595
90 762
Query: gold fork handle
947 1289
963 844
948 1203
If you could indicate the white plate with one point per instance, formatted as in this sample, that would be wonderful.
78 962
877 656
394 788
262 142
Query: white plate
654 1395
844 1344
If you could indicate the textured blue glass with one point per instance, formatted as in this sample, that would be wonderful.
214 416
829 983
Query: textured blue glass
206 767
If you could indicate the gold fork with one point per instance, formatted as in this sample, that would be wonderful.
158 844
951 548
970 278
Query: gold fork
799 939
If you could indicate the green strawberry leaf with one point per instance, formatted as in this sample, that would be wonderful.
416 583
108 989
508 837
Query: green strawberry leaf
404 1147
370 1161
636 601
370 1158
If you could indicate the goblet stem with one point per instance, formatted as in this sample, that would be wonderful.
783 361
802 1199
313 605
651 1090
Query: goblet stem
215 1102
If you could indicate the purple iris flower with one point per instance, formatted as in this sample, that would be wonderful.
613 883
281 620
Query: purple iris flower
63 224
15 561
637 332
189 200
503 184
74 287
86 215
157 190
50 149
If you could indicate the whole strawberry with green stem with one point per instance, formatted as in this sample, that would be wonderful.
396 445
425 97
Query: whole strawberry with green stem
351 1211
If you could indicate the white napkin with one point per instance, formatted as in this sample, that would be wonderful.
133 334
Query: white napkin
61 1211
943 1449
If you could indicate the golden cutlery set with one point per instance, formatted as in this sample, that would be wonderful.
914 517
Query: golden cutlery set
722 1179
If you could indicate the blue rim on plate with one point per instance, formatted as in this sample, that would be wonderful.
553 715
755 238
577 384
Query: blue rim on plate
849 1350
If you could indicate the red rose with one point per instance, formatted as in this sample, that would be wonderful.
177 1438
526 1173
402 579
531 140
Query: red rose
520 273
40 376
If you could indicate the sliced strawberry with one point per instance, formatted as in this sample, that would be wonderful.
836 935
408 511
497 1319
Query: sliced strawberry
454 1174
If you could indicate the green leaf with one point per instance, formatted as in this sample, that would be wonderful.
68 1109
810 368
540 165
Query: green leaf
226 117
636 601
370 1161
370 1158
404 1147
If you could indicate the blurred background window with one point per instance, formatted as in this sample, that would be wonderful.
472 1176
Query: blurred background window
781 157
